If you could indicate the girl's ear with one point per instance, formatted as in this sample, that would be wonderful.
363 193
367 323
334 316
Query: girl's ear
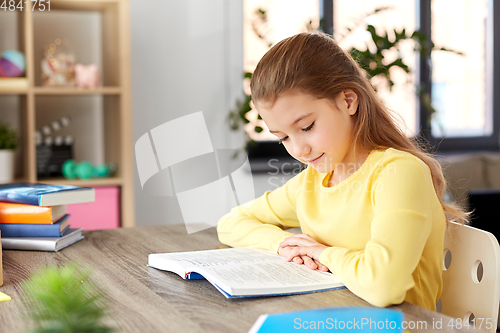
351 101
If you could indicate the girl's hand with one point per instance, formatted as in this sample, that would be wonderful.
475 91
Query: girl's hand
305 260
303 249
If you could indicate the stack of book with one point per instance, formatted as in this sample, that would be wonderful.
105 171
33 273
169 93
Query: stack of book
33 216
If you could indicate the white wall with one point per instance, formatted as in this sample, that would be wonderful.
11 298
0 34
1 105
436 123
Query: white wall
187 56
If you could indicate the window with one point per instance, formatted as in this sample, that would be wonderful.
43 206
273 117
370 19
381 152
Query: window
460 87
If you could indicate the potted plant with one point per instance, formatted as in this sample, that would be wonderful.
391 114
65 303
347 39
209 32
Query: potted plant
8 143
63 300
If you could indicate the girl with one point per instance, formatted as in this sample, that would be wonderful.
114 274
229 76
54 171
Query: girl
370 201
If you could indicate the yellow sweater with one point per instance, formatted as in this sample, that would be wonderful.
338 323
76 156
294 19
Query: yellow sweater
384 226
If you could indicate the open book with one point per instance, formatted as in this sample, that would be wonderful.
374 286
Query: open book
245 272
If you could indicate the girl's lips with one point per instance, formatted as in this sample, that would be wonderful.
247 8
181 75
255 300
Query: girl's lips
316 159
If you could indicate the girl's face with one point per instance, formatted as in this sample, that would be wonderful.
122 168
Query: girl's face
317 132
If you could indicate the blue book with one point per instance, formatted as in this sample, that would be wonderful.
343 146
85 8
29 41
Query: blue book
35 230
45 195
346 319
246 272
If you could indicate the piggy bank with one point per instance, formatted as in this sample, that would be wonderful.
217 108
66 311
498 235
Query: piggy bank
86 76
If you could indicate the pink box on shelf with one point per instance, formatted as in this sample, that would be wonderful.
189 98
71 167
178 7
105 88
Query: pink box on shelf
103 213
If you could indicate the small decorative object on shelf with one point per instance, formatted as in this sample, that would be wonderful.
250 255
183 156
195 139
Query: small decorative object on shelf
12 64
58 64
55 126
87 76
85 170
52 152
8 143
50 158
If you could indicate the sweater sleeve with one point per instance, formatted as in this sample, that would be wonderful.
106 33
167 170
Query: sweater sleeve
381 273
260 223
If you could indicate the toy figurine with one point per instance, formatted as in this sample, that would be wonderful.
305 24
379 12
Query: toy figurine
85 170
58 64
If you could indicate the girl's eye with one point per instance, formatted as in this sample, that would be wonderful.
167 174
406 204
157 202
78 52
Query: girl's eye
308 128
284 139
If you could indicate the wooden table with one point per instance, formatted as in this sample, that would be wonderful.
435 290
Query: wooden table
143 299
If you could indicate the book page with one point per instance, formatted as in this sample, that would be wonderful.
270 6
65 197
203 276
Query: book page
222 257
269 275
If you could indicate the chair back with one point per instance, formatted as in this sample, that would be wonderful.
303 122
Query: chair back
471 276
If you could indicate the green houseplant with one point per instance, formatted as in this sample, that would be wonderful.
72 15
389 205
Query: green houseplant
63 300
8 144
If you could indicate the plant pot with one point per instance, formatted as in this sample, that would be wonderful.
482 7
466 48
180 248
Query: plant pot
7 161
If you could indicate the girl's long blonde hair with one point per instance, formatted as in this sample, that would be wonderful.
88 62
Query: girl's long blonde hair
313 63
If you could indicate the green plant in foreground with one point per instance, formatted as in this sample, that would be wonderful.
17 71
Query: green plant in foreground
8 137
64 300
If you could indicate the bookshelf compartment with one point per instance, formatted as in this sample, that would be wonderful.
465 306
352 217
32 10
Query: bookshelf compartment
89 34
13 22
95 127
86 126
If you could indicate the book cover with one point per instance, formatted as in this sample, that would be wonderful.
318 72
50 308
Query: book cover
35 230
246 272
352 319
45 195
21 213
50 244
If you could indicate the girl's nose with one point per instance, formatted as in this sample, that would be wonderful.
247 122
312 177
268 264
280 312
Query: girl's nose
301 149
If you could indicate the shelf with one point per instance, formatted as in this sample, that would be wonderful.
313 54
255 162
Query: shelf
13 91
17 180
83 5
76 91
112 181
15 85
